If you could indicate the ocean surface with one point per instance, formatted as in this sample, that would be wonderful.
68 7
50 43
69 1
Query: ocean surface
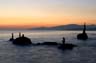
84 53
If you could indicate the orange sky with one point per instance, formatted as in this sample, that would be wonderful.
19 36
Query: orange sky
38 13
38 22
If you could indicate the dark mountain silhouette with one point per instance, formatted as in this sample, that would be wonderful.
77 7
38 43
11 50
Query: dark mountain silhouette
66 27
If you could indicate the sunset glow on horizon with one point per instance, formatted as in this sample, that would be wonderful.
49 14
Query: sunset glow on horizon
46 13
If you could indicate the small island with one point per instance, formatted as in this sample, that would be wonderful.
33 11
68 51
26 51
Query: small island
83 35
65 46
22 40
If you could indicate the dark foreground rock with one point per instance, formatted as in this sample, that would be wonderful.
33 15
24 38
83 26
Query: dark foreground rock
22 41
83 35
47 43
67 46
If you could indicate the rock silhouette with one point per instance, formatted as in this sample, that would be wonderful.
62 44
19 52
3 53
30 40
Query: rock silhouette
19 34
22 40
83 36
48 43
63 40
12 38
65 46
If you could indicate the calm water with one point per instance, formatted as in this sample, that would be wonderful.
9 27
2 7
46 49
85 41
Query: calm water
84 53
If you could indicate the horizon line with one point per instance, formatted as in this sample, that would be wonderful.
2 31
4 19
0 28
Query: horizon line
29 26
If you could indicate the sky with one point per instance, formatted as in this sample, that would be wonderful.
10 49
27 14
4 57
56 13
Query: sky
46 13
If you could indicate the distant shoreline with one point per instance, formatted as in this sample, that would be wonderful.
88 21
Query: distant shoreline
69 27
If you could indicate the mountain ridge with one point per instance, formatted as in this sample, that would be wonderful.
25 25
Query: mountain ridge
66 27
